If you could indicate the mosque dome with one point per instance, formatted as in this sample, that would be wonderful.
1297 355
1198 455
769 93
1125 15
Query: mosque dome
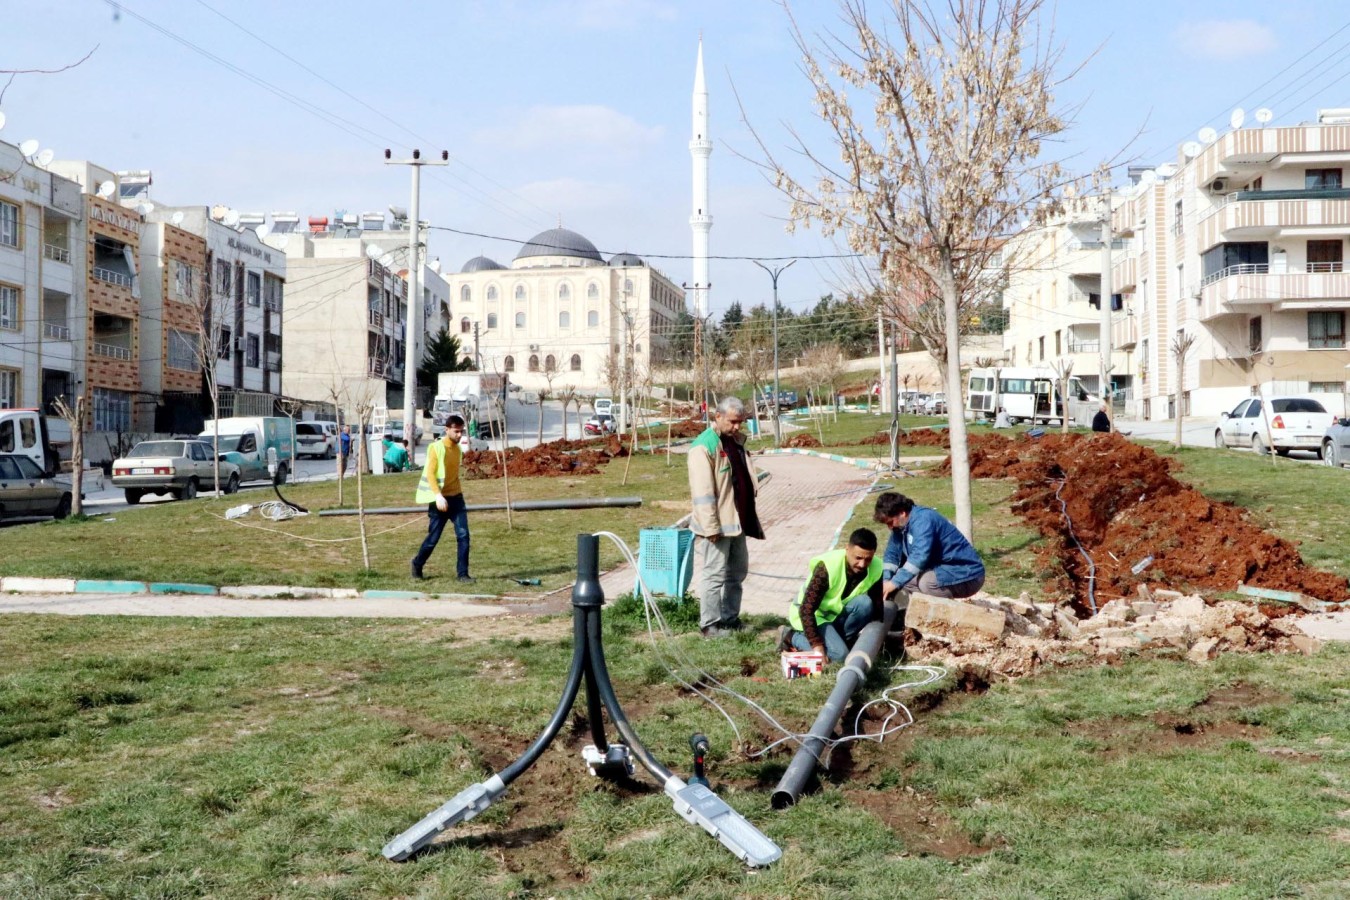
481 264
625 259
559 242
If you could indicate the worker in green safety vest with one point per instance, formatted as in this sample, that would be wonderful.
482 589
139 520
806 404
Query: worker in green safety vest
842 594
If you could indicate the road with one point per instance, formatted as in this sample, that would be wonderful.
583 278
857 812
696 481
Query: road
1197 432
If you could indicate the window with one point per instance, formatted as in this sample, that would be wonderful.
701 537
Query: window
272 293
1040 342
1296 405
223 275
1177 218
564 292
520 292
1254 335
509 364
1326 330
1326 387
112 410
550 363
492 292
637 348
251 351
182 350
465 294
492 320
628 285
9 307
1325 256
534 362
9 396
1058 344
576 362
592 291
465 326
9 224
253 289
592 319
1322 179
184 279
564 319
520 320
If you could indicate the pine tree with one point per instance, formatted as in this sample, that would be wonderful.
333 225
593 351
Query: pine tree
443 355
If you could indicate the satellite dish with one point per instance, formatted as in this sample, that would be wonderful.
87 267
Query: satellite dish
263 230
105 190
231 218
281 240
45 158
145 208
1147 177
1264 115
1237 118
1191 149
2 120
28 147
435 265
177 218
1208 135
387 260
372 251
1166 170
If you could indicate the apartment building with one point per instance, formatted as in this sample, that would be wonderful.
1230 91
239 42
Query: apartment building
1053 295
42 283
173 265
347 296
561 311
1240 246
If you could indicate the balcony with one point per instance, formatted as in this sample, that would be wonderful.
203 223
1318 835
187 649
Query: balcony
1125 332
1248 214
376 367
375 318
1124 273
111 351
110 277
56 254
53 332
1236 289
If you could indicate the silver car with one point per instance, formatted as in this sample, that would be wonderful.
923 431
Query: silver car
25 491
1336 444
171 467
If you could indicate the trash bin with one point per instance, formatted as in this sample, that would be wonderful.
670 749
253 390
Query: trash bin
752 426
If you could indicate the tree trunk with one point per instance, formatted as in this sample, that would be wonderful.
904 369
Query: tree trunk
956 410
541 420
360 496
1181 375
77 458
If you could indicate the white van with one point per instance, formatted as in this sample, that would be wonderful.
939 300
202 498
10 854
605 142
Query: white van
1026 393
603 406
316 438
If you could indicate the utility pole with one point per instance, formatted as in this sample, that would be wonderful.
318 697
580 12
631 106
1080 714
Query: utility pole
773 275
477 357
1104 341
624 362
895 399
414 287
882 403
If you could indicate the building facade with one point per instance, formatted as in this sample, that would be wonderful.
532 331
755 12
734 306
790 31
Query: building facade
561 313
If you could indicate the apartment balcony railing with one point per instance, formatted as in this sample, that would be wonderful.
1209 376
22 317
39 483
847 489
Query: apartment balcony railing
1238 288
273 304
376 318
1117 244
1125 332
395 373
376 367
111 277
111 351
54 332
55 253
1239 269
1085 346
1254 213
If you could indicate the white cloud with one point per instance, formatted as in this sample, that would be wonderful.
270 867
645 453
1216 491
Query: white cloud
570 130
1224 38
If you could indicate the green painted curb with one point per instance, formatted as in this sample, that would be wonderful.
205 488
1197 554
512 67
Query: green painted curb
170 587
393 595
110 587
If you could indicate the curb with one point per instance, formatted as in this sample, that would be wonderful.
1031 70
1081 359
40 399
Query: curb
29 585
873 465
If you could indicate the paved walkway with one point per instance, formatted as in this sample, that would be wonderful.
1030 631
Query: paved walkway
803 505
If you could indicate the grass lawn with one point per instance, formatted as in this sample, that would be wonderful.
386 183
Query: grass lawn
176 758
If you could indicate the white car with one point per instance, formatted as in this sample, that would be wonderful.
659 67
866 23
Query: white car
318 439
935 405
1290 423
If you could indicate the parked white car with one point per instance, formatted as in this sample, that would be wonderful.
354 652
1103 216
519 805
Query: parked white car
318 439
1290 423
936 405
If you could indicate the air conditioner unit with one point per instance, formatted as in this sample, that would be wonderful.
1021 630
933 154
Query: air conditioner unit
534 348
238 343
1218 185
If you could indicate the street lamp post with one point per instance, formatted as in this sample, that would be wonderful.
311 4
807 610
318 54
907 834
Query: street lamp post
414 290
773 276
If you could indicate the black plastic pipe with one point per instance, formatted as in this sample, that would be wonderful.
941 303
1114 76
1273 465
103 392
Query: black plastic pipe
856 665
518 506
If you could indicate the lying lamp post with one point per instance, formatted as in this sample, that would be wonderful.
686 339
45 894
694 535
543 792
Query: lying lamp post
694 802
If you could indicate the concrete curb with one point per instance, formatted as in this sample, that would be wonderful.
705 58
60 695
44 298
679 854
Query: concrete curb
873 465
26 585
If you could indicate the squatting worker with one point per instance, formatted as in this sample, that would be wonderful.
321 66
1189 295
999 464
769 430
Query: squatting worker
841 595
722 484
926 553
439 489
1101 421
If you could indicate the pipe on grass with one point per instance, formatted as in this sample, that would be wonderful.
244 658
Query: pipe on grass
518 506
856 665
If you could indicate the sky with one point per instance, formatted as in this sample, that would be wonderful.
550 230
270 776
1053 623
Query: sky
579 112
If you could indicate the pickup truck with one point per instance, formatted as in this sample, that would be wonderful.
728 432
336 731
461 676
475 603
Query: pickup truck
1290 423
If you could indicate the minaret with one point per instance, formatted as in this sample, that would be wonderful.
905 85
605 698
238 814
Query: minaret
700 148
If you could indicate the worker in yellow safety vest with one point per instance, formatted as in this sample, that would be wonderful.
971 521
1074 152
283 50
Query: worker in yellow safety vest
439 489
842 594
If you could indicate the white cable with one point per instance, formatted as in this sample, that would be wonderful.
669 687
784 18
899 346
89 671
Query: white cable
276 511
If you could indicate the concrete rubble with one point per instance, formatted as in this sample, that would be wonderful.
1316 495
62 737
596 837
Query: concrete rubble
992 635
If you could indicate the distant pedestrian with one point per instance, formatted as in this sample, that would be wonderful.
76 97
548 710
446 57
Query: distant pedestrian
344 449
926 553
722 484
1101 421
440 490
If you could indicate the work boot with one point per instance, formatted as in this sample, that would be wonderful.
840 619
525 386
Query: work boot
714 631
467 579
417 571
785 638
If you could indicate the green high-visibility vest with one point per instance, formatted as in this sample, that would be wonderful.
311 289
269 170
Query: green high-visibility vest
832 604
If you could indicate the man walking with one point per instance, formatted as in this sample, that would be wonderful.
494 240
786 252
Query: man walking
722 484
841 595
926 553
439 489
344 449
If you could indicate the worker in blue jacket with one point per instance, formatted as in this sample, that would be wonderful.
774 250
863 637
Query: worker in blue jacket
926 553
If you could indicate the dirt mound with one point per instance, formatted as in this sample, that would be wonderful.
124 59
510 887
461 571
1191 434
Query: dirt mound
1118 501
917 437
687 428
802 439
545 460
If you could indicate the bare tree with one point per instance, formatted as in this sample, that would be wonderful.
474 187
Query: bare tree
752 343
567 393
75 419
546 392
947 161
1181 348
1063 368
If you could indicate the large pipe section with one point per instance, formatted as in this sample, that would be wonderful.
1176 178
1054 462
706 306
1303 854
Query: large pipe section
518 506
856 665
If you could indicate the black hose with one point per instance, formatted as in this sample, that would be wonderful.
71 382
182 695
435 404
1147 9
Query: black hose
595 712
569 696
597 661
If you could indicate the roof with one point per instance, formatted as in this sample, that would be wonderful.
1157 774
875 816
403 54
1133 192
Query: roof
625 259
559 242
481 264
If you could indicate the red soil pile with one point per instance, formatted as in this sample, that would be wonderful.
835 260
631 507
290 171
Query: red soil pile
802 439
1124 505
545 459
917 437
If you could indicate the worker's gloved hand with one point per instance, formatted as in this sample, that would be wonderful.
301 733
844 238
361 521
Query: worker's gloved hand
441 504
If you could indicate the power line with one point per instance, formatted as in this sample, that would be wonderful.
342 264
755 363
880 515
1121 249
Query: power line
537 243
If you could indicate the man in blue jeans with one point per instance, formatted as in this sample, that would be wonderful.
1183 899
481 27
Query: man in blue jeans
842 595
439 489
